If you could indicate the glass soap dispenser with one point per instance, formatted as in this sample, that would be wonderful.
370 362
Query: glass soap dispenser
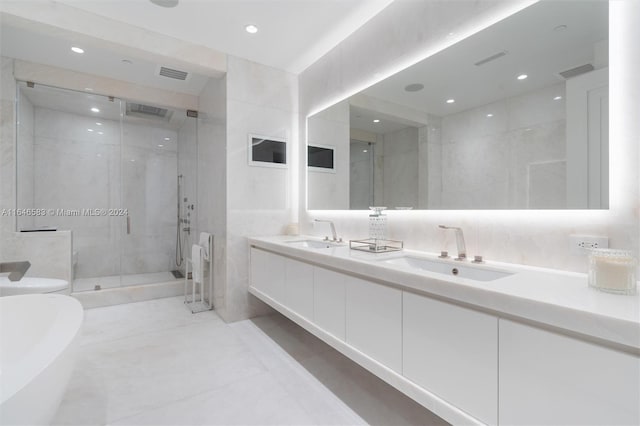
378 223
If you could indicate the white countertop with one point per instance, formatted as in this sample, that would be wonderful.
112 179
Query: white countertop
555 298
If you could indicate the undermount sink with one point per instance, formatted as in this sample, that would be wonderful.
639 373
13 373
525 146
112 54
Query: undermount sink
314 244
461 270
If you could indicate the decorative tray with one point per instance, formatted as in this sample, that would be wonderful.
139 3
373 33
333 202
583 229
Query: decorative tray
375 245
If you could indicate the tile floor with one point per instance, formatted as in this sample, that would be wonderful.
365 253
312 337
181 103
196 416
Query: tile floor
155 363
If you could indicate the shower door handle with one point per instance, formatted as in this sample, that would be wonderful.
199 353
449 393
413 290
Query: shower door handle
128 224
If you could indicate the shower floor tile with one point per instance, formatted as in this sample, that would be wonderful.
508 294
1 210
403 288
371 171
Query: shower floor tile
155 363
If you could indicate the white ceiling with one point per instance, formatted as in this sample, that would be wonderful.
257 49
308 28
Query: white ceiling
533 47
35 43
292 33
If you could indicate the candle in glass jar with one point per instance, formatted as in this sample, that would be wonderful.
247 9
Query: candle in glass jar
612 271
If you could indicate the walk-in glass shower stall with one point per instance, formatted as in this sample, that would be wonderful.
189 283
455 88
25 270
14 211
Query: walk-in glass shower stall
120 174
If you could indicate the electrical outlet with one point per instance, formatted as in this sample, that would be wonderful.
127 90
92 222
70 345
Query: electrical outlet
581 244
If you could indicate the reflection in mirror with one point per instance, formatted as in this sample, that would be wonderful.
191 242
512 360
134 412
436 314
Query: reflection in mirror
513 117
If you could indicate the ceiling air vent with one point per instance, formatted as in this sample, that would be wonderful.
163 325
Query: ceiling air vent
491 58
567 74
175 74
148 111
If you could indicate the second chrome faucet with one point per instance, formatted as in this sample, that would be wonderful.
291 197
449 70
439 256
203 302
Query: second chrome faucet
462 249
333 230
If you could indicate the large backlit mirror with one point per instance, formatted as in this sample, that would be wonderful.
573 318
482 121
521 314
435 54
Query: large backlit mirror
513 117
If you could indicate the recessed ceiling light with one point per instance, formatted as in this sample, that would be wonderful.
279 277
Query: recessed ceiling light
522 76
160 145
89 130
167 139
165 3
132 160
489 115
77 49
557 98
414 87
98 124
94 109
251 29
364 150
450 101
376 121
101 133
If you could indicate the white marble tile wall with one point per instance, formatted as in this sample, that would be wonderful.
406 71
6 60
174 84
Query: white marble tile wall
407 31
486 160
260 100
48 252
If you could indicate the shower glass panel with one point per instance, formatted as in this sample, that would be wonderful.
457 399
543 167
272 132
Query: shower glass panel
68 153
156 143
361 187
107 169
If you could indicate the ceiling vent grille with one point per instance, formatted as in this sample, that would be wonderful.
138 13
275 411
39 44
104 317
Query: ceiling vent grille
148 111
573 72
173 73
491 58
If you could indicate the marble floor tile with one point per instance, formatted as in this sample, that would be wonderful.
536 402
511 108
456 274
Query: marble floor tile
257 400
123 377
155 363
336 390
120 321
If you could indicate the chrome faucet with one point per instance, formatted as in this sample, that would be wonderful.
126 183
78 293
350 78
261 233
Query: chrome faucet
462 250
333 229
16 269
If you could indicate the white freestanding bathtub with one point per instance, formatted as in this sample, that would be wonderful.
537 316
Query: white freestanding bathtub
29 285
39 334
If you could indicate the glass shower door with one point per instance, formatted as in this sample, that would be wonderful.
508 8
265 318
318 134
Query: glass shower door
156 231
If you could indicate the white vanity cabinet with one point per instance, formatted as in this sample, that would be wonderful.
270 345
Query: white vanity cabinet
552 379
298 287
468 365
267 273
453 352
329 296
374 321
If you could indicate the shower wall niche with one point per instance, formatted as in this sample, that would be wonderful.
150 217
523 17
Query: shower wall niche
107 169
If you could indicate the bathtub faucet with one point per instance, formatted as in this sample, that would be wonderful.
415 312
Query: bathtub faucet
16 270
